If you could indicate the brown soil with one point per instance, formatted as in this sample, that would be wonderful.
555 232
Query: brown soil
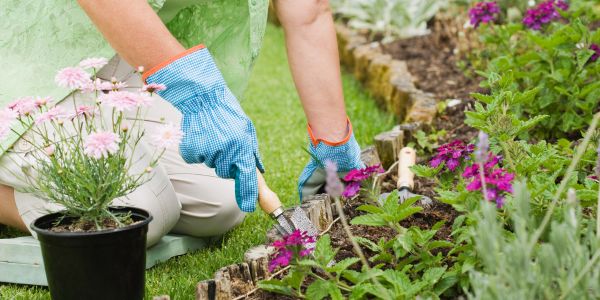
89 226
432 61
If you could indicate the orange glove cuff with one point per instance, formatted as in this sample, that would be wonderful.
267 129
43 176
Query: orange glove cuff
315 141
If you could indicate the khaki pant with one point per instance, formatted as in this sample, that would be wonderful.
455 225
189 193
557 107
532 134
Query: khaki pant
182 198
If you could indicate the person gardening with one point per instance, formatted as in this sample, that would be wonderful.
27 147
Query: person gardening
205 189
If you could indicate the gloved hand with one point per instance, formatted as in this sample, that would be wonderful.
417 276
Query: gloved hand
346 154
216 130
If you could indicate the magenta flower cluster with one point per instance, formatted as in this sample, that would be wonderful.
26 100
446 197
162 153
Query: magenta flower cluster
291 248
497 180
452 154
354 178
544 13
484 12
596 55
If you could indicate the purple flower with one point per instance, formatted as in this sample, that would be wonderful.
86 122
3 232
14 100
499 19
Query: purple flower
354 178
596 54
497 181
292 247
484 12
351 189
544 13
452 154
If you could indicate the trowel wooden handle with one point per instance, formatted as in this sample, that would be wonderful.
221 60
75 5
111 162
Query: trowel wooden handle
406 159
267 199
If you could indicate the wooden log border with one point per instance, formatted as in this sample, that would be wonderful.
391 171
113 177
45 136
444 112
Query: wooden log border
238 279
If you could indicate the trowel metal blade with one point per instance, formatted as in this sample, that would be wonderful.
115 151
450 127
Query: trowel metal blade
284 226
301 222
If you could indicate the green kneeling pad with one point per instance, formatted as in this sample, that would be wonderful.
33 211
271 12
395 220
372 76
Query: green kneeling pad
21 258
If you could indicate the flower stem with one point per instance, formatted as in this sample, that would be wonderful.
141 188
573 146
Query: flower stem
483 184
355 245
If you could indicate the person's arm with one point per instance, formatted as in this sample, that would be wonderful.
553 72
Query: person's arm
216 130
314 61
134 30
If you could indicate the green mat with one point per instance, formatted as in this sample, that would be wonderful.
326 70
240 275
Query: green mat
21 258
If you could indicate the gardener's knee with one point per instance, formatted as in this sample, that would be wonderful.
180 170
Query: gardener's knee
295 13
216 221
208 205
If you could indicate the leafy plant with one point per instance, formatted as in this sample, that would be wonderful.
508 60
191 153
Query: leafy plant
554 63
392 18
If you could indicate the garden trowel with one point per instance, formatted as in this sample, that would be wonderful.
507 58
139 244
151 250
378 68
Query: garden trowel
269 202
407 158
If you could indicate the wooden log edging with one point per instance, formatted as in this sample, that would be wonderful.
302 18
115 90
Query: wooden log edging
238 279
387 79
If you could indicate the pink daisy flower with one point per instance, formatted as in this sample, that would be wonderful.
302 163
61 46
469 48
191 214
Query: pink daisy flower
54 114
50 150
85 111
93 63
97 86
116 84
42 101
23 106
144 100
72 77
154 87
120 100
101 144
167 136
7 117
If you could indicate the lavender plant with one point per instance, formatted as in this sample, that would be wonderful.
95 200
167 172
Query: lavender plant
85 158
565 265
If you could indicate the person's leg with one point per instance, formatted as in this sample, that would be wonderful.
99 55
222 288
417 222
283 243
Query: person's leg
9 214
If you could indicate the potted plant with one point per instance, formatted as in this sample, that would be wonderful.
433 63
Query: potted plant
83 160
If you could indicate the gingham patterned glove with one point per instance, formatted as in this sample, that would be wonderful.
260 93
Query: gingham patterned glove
346 154
216 130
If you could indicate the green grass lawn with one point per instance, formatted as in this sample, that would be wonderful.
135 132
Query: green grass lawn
272 103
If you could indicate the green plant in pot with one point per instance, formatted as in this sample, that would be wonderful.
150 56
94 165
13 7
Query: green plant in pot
87 153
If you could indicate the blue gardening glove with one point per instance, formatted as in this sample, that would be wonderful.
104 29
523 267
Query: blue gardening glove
216 130
346 154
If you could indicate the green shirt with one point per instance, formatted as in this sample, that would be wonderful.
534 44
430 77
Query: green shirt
39 37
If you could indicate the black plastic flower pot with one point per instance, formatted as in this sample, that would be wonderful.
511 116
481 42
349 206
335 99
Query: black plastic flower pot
107 264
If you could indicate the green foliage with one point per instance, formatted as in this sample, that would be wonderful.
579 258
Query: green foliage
553 64
564 266
410 264
392 18
389 214
427 142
